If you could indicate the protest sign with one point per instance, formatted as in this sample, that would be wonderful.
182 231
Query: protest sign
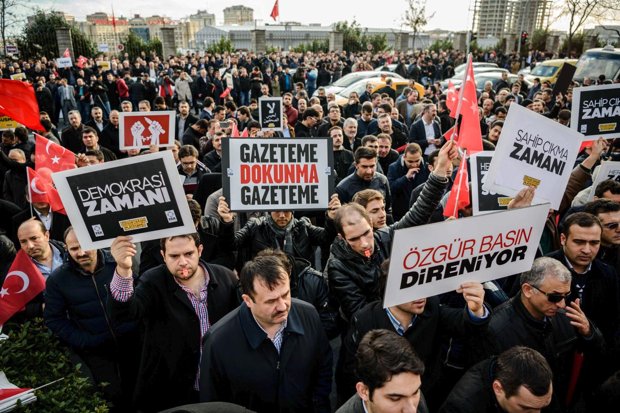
103 47
63 62
607 170
139 130
533 151
277 174
565 79
104 65
139 196
484 201
270 113
11 49
433 259
18 76
596 111
7 123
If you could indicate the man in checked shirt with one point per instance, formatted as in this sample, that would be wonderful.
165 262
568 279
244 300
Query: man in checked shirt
175 303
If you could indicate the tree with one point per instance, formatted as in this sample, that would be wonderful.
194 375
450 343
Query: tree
134 46
39 37
9 17
377 41
440 45
580 12
415 16
539 39
351 36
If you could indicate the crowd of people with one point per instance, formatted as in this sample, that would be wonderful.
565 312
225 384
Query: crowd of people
265 311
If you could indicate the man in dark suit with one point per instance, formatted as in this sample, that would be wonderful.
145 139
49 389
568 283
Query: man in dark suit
184 120
425 131
55 222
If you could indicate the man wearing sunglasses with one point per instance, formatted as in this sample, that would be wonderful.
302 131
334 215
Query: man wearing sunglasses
541 316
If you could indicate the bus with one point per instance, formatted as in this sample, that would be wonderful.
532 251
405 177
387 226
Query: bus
596 62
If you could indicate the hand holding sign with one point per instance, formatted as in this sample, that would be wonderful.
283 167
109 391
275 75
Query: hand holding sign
473 293
523 198
578 318
224 211
332 207
598 148
123 250
446 154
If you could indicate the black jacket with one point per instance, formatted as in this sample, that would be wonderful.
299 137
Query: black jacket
257 235
556 339
401 186
355 405
474 392
241 365
424 336
75 306
171 332
417 133
352 277
600 300
352 184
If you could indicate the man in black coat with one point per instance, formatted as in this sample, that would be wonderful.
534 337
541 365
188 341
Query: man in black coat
71 136
425 131
356 255
270 354
423 323
404 176
540 317
76 312
519 379
175 303
184 120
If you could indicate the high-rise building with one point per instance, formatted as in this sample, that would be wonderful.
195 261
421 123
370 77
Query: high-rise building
498 18
238 15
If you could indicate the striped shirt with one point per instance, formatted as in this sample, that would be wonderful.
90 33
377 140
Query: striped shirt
122 289
278 337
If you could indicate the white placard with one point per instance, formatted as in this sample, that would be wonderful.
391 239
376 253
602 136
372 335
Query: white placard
433 259
607 170
63 62
533 151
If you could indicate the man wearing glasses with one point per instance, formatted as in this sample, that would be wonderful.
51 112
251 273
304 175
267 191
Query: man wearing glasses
544 317
608 212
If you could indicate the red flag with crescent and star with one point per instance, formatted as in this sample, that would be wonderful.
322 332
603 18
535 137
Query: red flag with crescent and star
23 282
41 189
18 102
50 155
275 12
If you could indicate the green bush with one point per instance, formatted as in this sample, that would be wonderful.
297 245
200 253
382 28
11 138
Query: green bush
33 356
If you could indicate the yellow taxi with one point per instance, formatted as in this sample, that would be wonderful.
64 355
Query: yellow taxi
342 97
549 70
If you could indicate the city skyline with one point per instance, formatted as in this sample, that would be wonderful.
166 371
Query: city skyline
453 16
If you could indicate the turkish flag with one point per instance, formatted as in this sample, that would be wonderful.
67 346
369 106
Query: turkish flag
245 133
41 189
67 53
459 194
225 93
23 282
234 131
81 61
50 155
452 98
275 12
17 101
469 135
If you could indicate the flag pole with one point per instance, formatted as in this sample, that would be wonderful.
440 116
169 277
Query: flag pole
458 188
461 93
29 192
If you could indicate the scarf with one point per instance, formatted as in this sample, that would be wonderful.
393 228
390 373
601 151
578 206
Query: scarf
285 234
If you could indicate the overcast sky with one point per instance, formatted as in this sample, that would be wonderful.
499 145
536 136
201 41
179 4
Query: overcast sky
452 15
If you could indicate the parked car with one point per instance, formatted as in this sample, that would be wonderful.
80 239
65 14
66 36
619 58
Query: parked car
348 79
477 65
596 62
360 86
549 70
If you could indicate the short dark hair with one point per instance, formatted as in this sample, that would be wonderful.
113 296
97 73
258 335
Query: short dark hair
364 196
279 254
88 129
433 156
96 153
607 185
364 153
219 108
194 209
523 366
368 138
412 148
266 268
581 219
383 354
601 206
193 236
387 108
310 112
187 150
